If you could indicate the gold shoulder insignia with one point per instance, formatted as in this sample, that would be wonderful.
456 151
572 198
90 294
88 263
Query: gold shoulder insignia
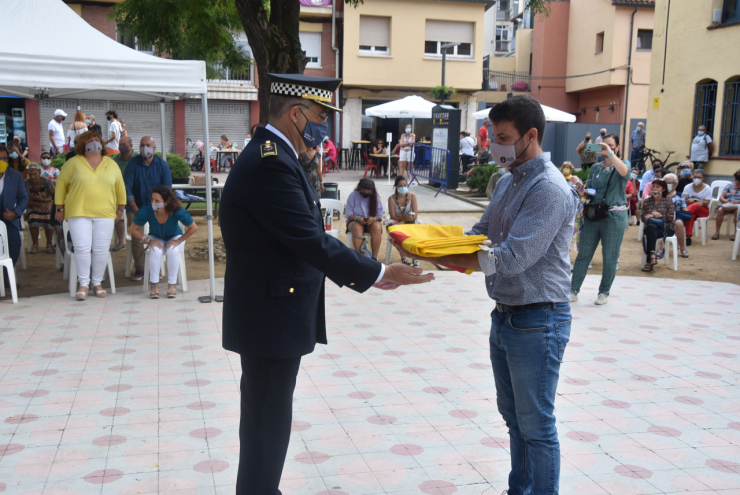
268 149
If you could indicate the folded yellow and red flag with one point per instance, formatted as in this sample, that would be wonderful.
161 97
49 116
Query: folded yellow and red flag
431 241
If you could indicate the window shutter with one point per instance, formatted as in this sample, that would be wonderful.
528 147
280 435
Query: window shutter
375 31
311 44
450 31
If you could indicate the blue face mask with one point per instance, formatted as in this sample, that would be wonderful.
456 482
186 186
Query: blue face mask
313 134
13 155
700 133
88 122
403 190
633 176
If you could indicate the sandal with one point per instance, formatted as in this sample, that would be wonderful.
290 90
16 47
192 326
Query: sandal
171 292
715 236
648 267
154 293
732 238
117 248
652 259
50 249
81 294
101 293
34 249
684 254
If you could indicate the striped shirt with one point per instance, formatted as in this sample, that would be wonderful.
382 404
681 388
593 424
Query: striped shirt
530 224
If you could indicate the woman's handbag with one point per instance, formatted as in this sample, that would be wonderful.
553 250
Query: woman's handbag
594 211
658 222
684 216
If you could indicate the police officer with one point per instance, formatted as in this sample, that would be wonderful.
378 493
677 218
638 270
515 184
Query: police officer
278 255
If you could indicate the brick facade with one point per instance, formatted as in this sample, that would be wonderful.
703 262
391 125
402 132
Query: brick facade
97 17
328 60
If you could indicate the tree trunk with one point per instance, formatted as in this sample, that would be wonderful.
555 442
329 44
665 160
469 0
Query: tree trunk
276 46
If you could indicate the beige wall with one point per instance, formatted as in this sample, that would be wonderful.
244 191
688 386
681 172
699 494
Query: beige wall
406 66
695 54
523 49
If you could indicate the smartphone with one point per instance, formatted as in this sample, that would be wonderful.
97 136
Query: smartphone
594 147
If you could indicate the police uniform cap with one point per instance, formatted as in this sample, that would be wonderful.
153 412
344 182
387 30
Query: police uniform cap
317 89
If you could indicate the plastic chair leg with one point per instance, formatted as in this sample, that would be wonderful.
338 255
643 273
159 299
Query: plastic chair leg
702 221
183 275
145 285
639 232
129 259
11 281
72 276
110 274
388 252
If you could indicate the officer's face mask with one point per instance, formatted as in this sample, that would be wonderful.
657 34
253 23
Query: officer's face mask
313 134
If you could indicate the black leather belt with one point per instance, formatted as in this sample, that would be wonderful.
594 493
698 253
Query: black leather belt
503 308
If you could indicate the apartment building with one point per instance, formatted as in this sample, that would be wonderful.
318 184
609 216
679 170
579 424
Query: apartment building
695 80
391 49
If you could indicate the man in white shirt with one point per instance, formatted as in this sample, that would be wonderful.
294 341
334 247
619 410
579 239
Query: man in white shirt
114 132
56 132
702 147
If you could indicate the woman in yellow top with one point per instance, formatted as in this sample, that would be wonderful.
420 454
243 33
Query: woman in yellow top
90 195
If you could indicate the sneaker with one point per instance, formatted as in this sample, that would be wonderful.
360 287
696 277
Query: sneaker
573 296
406 261
601 300
688 241
416 263
589 266
138 275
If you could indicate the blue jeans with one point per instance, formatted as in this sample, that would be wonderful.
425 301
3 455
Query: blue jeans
526 351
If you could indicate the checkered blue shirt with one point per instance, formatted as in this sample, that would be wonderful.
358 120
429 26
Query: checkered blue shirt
530 224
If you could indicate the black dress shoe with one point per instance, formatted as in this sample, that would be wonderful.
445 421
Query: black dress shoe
688 241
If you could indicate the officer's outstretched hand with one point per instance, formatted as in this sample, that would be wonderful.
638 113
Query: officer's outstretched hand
400 274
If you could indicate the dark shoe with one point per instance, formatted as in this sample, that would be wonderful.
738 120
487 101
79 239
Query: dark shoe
138 275
688 241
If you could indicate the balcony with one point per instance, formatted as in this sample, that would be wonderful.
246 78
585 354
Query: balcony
502 15
503 46
506 81
231 76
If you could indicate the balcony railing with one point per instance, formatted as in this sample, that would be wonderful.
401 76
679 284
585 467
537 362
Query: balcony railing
503 46
503 81
502 15
231 76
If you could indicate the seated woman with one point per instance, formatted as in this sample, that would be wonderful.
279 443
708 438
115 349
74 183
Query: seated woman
729 203
659 215
38 214
402 209
163 215
567 170
379 148
632 200
659 173
364 215
682 213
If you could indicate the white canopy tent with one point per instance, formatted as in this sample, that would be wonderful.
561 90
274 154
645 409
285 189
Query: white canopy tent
551 114
414 107
37 62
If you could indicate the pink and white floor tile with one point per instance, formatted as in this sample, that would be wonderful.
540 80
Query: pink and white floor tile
133 396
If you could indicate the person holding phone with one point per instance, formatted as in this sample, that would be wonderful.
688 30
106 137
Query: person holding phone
364 215
588 157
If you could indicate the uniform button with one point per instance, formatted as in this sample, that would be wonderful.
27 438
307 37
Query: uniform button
292 290
352 283
490 283
314 202
525 173
514 184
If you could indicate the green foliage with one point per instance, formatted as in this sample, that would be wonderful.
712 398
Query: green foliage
59 160
185 30
538 7
581 174
479 179
179 167
438 91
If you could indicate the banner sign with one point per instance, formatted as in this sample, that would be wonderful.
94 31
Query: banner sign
316 3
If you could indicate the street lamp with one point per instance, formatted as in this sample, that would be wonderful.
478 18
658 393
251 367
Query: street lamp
444 48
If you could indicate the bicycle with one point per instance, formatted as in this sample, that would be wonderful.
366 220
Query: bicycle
647 153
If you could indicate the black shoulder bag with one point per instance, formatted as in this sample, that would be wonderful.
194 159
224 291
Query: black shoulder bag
595 212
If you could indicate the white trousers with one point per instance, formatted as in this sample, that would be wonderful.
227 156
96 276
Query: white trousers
91 234
173 260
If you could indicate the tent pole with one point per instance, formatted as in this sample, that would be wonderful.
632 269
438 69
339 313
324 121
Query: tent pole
209 203
161 130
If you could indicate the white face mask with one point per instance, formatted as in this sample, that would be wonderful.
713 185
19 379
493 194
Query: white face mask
408 130
697 182
45 162
670 187
157 206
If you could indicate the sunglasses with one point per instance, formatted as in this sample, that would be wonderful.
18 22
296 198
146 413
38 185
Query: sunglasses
324 118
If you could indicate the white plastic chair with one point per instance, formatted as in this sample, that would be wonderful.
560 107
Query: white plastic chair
182 276
640 231
59 254
23 243
703 226
720 186
673 240
737 244
129 251
7 262
70 266
330 206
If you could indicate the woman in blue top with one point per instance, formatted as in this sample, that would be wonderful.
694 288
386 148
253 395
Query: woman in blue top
163 216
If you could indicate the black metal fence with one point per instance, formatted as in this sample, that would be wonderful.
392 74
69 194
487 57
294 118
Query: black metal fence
431 163
506 81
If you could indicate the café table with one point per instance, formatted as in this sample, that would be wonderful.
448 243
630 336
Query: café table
232 151
389 157
358 147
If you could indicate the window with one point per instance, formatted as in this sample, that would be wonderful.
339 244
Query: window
132 42
311 44
645 39
440 32
729 140
731 11
502 39
600 42
705 100
375 35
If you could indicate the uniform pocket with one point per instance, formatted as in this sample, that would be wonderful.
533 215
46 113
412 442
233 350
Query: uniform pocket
290 286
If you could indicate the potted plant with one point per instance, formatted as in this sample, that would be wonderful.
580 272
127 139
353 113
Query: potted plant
438 91
179 168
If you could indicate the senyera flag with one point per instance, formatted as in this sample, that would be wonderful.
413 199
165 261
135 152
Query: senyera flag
432 241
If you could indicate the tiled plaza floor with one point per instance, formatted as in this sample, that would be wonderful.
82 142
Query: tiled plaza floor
133 396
